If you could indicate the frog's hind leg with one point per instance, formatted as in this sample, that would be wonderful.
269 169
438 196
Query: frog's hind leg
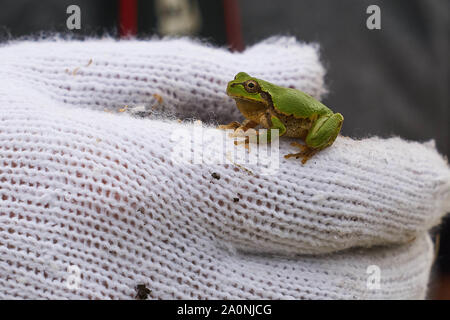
324 131
322 135
305 152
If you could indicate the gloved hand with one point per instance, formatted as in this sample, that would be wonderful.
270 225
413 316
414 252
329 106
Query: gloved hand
94 202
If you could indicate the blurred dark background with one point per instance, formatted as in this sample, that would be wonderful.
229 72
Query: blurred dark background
388 81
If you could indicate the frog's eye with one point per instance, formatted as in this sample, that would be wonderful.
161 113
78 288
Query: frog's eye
251 86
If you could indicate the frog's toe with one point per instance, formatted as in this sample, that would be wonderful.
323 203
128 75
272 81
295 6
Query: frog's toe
245 142
303 155
242 141
306 152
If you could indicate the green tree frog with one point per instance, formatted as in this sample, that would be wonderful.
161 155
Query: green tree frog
294 113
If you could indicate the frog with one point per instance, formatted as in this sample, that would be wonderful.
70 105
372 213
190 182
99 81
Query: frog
294 113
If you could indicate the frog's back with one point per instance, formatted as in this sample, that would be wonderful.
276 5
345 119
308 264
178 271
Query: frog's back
294 102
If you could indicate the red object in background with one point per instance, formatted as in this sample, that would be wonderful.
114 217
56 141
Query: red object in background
128 21
233 24
127 18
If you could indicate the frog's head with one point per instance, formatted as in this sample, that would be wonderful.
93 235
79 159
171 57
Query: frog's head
245 87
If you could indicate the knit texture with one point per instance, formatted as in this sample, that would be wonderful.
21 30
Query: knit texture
106 193
190 77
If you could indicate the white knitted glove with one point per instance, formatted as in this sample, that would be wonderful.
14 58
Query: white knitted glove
93 203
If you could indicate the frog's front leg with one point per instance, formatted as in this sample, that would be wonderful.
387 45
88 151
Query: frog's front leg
247 124
266 120
321 135
274 123
232 125
239 130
